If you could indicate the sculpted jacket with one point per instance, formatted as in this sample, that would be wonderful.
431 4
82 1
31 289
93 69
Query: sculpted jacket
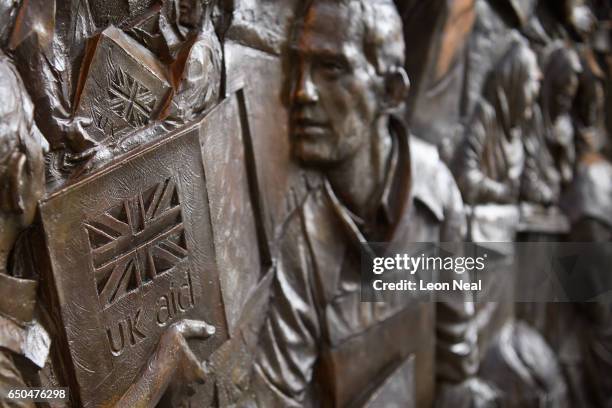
321 341
489 163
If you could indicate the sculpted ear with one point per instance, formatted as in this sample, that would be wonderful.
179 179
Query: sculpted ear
397 86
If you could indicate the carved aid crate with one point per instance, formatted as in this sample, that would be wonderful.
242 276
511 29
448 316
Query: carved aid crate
130 251
122 86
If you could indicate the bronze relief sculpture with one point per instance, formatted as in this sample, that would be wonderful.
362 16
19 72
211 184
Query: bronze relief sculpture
491 162
139 260
551 146
104 89
189 186
343 97
23 184
24 340
587 202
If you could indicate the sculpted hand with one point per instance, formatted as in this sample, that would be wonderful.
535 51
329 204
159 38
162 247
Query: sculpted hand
173 360
501 193
546 196
174 351
81 149
508 191
76 137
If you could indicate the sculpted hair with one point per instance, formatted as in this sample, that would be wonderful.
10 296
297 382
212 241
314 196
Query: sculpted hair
504 88
562 64
562 67
383 36
379 25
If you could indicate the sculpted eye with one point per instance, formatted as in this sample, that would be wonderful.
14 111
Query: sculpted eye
332 68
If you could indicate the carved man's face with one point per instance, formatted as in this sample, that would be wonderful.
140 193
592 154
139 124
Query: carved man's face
190 13
334 100
565 95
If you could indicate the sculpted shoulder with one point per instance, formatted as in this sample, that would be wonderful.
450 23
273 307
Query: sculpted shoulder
432 181
590 194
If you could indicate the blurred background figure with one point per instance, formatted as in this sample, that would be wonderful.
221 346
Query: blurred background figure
490 161
550 142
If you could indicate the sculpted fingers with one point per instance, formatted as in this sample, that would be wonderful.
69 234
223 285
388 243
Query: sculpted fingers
195 329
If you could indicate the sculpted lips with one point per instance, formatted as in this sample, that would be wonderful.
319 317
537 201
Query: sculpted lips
304 126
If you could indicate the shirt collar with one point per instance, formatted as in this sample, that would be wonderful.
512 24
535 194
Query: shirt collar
394 197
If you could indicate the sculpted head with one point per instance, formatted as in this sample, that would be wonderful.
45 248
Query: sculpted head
22 147
8 11
180 19
347 77
192 12
561 80
512 87
574 14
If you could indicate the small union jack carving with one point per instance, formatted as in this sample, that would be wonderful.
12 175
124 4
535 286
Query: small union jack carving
134 242
129 99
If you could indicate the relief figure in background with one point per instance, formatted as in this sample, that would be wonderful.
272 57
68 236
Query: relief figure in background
559 20
321 346
194 57
588 199
490 160
588 111
113 72
197 67
489 163
588 205
550 145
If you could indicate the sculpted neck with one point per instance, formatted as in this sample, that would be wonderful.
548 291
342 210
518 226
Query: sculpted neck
359 180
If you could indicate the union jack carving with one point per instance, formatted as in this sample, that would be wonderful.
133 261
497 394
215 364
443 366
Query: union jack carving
134 242
129 99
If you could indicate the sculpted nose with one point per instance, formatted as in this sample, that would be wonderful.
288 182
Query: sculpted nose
306 91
